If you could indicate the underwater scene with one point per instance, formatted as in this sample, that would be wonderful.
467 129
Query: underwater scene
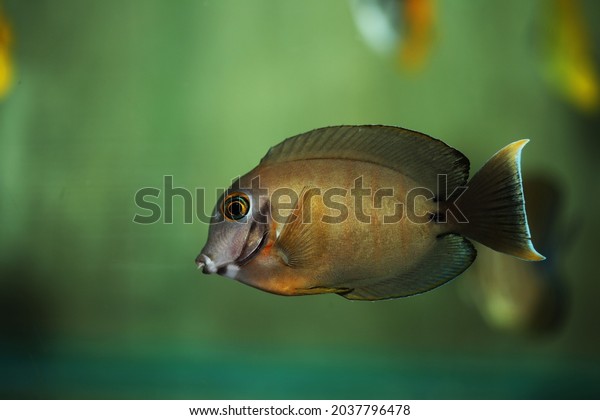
122 124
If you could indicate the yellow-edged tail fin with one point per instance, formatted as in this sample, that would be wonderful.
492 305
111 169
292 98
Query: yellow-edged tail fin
494 206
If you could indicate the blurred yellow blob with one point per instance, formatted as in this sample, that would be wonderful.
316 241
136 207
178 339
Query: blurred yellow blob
570 66
6 69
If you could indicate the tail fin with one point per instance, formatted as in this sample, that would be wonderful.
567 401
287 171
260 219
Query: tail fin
495 207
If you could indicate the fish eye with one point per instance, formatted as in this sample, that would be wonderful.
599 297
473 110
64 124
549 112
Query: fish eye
235 206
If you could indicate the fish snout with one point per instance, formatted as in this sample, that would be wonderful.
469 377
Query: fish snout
206 264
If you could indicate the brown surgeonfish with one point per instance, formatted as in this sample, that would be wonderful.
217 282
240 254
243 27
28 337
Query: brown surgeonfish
367 212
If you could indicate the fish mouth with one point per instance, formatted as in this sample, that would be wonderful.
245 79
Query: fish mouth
208 266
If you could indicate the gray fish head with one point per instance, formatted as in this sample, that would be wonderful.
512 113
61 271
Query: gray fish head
237 232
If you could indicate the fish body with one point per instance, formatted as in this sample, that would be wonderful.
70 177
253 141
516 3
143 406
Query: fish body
342 241
358 211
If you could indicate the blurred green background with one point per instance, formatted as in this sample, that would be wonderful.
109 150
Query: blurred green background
110 96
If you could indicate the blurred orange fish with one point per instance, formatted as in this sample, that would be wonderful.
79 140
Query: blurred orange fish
400 27
567 48
6 69
419 34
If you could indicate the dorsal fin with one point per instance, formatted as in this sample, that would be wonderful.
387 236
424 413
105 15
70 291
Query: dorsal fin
413 154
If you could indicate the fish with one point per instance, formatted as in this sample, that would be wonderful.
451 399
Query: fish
403 28
512 295
6 66
369 212
567 53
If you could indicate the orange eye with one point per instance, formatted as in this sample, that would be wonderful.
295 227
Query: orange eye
236 206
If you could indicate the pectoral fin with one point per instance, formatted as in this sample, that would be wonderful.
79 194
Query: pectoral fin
297 242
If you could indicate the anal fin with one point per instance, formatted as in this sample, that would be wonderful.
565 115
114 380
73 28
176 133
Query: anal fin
451 255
